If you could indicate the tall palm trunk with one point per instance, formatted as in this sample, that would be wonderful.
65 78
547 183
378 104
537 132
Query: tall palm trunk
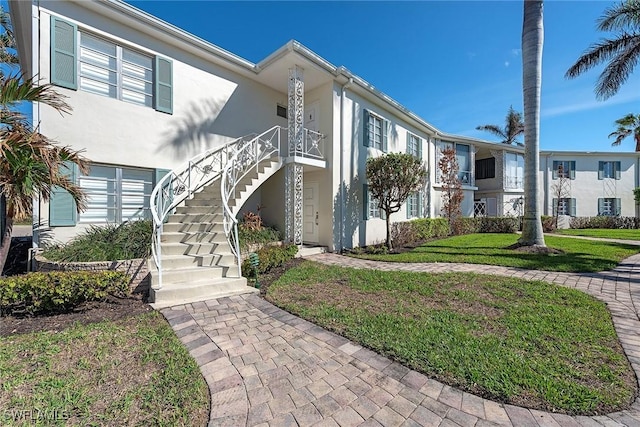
532 39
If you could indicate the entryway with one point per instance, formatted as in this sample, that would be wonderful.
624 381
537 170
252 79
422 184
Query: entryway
310 212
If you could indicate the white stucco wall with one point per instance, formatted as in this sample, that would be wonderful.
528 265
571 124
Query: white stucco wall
211 105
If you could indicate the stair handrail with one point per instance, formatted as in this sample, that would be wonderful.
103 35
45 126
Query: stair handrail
181 183
246 155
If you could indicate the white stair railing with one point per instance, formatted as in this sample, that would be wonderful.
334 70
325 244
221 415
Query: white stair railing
181 183
246 155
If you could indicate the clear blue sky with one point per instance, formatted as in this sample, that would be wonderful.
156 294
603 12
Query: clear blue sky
457 64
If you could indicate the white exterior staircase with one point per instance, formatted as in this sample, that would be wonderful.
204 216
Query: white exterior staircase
195 248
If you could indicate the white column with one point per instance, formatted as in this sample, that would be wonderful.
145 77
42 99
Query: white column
293 174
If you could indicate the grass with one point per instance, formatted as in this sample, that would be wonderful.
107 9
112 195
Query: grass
578 255
608 233
129 372
522 342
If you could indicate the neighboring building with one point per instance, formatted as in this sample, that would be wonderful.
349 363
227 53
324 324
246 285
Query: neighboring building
147 97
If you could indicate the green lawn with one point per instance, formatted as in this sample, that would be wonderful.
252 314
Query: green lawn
521 342
607 233
579 255
128 372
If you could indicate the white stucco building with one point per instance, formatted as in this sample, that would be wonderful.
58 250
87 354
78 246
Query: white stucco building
153 104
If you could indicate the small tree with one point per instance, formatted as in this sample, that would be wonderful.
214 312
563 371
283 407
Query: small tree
636 197
560 191
392 178
452 194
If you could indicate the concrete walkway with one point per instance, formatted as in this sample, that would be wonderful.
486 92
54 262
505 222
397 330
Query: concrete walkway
266 367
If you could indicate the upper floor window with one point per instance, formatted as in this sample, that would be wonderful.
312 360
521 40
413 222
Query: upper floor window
114 71
463 158
486 168
375 131
514 171
414 145
94 64
564 169
608 169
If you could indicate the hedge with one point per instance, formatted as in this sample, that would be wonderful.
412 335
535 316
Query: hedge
627 222
270 257
59 291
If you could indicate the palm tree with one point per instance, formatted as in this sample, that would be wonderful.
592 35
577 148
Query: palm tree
7 40
629 124
532 39
513 127
620 53
30 164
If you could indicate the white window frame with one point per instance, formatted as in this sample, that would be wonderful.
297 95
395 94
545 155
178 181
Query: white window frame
374 209
443 145
120 71
413 205
413 145
511 181
116 199
608 169
564 206
376 140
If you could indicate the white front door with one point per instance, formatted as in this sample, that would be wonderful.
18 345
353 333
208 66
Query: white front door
310 212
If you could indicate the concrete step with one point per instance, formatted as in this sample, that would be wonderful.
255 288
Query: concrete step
195 237
188 248
193 227
203 200
310 250
198 210
175 294
223 259
199 217
188 275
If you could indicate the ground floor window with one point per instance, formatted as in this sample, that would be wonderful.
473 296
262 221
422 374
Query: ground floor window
371 205
564 206
609 206
116 194
414 205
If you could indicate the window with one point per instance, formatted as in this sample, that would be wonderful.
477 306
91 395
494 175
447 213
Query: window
371 205
609 170
114 71
97 65
414 145
564 169
514 171
609 206
564 206
281 111
375 131
486 168
414 205
463 157
116 194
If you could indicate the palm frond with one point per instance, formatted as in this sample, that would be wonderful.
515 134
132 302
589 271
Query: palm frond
15 89
619 69
620 17
496 130
600 52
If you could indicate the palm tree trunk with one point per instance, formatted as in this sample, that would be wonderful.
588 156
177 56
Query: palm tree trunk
637 138
532 39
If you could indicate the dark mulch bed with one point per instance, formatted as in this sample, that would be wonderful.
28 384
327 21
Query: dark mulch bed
266 279
89 312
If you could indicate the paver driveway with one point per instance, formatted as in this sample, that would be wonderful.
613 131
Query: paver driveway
267 367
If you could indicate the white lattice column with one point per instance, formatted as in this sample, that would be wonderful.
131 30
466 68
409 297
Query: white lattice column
500 175
293 174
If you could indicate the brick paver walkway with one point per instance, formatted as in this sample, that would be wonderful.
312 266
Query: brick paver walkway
266 367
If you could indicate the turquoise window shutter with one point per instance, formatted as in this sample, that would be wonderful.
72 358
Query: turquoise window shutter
555 170
409 143
365 200
618 169
600 170
64 47
554 203
63 211
572 172
408 204
419 148
572 210
163 96
365 128
618 207
600 206
419 205
385 135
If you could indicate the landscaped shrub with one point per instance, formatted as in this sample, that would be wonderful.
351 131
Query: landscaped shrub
502 224
110 242
465 225
250 236
417 230
627 222
59 291
548 223
270 257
